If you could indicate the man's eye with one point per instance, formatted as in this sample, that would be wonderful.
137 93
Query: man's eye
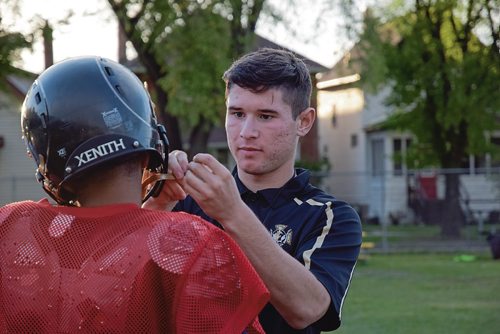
266 117
237 114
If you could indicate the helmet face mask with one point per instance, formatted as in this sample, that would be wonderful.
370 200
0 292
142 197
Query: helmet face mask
83 112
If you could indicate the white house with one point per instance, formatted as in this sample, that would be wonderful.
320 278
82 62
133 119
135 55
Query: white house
363 171
17 170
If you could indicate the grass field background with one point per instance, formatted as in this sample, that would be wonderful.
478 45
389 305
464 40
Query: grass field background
424 292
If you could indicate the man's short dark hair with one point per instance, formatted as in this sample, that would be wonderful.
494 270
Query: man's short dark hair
268 68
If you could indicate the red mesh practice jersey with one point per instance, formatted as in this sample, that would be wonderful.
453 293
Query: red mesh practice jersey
121 269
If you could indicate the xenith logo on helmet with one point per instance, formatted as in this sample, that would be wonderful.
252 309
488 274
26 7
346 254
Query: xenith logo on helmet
100 151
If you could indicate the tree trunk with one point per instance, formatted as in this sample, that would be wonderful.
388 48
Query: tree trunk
170 122
154 70
198 140
453 217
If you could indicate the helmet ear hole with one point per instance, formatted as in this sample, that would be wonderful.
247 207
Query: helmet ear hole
108 70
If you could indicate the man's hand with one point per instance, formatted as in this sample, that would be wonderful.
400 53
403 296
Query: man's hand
173 190
178 164
213 187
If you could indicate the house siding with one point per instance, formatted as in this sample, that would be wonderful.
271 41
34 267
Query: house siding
364 175
17 180
339 119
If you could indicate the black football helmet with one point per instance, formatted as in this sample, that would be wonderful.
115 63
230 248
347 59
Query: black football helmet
85 111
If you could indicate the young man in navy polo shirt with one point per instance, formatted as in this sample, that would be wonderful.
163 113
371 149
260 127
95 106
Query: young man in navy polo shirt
303 242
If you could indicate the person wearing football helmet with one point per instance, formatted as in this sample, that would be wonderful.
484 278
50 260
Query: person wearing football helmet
83 113
97 262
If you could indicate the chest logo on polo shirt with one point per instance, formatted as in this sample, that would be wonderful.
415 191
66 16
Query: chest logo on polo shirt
281 234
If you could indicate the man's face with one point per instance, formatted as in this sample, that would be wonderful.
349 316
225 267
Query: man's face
261 133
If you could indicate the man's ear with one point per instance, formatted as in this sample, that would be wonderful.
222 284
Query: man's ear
305 121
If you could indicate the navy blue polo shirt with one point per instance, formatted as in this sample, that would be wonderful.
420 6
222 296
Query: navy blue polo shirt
321 232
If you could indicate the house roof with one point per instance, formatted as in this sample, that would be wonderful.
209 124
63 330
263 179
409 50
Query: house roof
346 70
259 42
19 82
262 42
350 64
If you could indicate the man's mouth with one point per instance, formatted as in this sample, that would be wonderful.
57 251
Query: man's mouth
248 149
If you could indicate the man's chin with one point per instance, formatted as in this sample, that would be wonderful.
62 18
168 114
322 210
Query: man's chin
251 170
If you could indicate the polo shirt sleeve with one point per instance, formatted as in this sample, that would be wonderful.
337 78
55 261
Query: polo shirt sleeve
329 248
179 207
190 206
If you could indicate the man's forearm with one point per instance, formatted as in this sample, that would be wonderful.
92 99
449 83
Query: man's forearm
299 297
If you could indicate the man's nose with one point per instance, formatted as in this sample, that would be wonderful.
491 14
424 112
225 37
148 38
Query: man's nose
249 128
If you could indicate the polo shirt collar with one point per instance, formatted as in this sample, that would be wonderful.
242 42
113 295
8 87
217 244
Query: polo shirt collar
269 195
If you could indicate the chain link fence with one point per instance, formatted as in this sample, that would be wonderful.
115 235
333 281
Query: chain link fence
383 197
19 188
382 200
415 196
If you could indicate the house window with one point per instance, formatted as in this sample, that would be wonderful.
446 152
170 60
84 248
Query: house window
475 164
377 146
481 163
399 149
334 116
495 159
354 140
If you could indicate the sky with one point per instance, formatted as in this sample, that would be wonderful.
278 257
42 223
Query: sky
97 34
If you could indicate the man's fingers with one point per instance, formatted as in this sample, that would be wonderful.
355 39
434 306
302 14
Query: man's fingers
174 191
198 177
178 163
209 161
171 193
194 186
201 171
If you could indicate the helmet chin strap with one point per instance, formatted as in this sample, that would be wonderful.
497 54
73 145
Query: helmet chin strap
149 178
49 187
152 181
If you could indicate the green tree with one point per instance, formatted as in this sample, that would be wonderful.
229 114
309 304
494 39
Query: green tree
183 44
441 60
146 24
194 78
11 43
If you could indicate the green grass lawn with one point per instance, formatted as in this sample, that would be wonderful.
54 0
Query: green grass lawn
423 293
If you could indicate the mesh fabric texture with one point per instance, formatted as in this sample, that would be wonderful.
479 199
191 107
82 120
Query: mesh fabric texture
121 269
